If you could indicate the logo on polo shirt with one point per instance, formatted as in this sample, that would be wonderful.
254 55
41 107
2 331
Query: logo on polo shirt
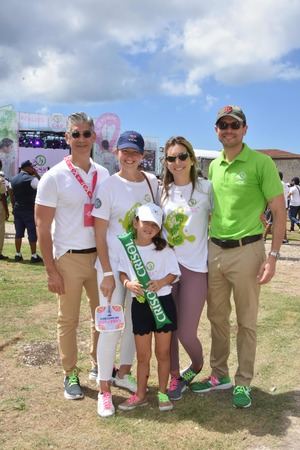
98 203
241 178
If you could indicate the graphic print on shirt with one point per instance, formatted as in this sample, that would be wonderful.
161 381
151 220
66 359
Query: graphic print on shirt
174 225
130 215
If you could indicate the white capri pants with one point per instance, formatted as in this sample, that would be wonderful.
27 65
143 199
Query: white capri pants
107 342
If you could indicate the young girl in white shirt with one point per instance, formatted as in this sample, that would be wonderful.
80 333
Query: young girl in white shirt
161 264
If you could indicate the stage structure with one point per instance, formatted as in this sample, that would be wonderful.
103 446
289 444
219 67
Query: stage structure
41 139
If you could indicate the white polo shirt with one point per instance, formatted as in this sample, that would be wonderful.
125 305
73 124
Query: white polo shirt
58 188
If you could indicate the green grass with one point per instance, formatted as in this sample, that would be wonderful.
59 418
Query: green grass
32 400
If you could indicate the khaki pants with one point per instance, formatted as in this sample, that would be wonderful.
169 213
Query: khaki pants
234 271
78 271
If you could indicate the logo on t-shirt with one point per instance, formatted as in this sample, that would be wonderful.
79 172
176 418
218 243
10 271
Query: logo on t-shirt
150 265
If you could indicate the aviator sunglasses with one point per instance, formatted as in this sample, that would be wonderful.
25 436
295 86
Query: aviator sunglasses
182 156
86 134
233 125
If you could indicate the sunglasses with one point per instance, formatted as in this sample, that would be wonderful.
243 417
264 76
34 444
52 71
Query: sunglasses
181 156
86 134
233 125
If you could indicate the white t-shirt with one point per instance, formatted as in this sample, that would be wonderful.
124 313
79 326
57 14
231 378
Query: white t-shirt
58 188
295 197
116 202
185 224
158 263
285 192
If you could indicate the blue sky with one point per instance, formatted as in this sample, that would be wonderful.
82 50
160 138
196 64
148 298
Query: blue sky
164 66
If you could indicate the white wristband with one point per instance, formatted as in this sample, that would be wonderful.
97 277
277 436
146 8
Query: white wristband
107 274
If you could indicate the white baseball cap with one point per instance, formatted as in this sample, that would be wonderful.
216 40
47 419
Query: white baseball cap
150 212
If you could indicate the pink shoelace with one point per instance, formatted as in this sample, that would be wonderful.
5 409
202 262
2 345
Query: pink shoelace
133 399
173 384
107 400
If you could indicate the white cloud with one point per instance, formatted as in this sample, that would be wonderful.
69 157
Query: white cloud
95 51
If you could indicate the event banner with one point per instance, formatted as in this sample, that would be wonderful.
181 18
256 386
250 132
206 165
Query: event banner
8 140
42 158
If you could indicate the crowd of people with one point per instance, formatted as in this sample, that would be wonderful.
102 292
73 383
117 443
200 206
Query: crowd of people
196 240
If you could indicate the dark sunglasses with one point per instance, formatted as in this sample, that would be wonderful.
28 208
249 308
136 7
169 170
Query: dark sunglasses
86 134
181 156
233 125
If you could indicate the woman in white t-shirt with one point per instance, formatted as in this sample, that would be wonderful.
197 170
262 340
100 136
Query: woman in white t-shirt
186 201
114 210
294 196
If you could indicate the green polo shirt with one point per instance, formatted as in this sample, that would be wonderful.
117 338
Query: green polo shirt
241 190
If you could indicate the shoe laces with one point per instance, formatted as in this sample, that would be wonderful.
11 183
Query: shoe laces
130 378
133 399
189 374
163 398
107 403
174 382
242 390
214 381
73 378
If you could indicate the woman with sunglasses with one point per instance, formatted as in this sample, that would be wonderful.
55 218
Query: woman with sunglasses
186 202
114 211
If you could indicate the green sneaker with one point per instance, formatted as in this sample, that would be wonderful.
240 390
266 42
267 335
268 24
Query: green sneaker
210 384
164 403
188 375
242 397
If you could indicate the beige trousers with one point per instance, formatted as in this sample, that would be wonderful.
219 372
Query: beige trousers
78 272
234 271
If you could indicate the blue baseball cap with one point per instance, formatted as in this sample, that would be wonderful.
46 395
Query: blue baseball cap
131 139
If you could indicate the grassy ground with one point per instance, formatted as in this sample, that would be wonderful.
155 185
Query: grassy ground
34 414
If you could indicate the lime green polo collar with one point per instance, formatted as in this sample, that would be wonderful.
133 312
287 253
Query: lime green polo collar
242 156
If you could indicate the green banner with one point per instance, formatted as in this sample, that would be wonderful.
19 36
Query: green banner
132 252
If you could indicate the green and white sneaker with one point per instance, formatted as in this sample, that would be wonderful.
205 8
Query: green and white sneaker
164 403
72 387
211 384
242 397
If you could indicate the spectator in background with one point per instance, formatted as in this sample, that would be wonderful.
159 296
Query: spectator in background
7 156
285 193
4 213
22 194
294 196
106 158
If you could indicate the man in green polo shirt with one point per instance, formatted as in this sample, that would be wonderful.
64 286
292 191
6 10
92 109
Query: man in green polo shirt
244 182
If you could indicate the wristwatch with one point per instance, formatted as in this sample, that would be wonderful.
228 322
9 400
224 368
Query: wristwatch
275 254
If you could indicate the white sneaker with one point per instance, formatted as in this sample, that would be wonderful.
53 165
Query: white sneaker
127 382
105 407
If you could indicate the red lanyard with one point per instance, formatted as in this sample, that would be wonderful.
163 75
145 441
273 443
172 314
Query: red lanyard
79 178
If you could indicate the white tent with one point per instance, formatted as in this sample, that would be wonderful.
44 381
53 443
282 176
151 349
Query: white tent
206 154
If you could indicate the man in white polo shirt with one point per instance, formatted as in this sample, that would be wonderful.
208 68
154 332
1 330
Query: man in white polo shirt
65 198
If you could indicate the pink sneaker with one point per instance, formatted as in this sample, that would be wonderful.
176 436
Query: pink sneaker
132 402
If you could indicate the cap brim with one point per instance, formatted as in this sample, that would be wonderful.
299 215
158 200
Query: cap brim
234 116
131 145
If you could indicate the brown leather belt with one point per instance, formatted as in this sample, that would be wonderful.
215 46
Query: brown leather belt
84 250
231 243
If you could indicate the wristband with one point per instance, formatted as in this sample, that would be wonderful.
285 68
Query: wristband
125 283
108 274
